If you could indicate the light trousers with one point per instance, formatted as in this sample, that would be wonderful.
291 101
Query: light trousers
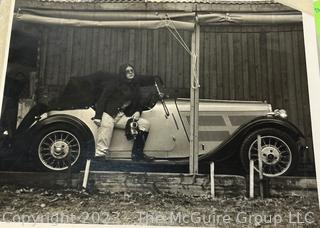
104 133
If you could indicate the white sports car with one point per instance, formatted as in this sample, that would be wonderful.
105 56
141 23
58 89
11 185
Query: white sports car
59 139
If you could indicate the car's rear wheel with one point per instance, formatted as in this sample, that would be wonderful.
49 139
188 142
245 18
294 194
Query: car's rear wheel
279 152
58 147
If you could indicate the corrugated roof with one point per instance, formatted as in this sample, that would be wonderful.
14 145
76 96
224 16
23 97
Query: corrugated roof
168 1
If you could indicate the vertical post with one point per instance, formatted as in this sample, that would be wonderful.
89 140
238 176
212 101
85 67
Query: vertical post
6 18
194 101
86 174
69 170
251 179
260 166
313 72
212 179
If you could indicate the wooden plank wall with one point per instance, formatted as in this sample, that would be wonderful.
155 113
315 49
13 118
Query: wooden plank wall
238 62
69 52
258 63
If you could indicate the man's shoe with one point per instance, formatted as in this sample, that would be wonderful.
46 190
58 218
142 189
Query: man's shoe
102 155
142 157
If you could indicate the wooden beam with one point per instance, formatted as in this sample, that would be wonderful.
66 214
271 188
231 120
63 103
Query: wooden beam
251 179
212 180
194 101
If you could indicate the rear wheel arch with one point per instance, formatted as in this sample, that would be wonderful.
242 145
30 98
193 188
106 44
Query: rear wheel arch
68 120
71 126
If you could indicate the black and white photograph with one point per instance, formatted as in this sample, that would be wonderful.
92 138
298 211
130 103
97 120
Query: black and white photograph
194 113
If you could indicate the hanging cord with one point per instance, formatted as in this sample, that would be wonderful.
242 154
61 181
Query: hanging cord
173 30
195 83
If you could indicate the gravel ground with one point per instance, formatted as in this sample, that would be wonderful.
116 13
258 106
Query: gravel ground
32 205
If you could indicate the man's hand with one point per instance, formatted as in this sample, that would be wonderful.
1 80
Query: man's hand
97 122
161 95
136 116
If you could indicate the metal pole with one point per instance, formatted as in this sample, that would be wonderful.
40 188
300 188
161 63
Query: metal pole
194 101
260 166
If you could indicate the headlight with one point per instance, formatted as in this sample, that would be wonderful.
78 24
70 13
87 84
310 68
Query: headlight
279 112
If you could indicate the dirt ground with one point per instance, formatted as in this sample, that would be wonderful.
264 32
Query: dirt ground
30 205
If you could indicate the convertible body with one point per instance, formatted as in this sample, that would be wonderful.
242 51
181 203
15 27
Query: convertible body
227 129
169 136
63 135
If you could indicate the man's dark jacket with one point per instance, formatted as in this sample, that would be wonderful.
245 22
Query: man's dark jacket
81 92
103 91
119 92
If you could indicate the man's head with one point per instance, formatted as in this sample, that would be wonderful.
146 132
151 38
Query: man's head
130 72
127 71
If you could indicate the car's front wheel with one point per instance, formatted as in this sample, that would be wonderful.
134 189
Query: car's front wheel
279 152
58 147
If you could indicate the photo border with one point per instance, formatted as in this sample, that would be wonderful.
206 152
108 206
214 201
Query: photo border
311 30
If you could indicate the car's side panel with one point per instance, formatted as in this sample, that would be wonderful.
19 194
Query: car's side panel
84 115
218 120
166 139
232 145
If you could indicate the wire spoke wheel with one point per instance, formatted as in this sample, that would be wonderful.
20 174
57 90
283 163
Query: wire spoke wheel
279 151
58 150
275 154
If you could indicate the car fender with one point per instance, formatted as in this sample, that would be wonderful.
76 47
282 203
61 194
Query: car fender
226 149
67 119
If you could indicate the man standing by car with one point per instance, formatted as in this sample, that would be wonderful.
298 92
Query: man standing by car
119 101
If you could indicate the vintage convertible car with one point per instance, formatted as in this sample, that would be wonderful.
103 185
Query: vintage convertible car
227 129
60 139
